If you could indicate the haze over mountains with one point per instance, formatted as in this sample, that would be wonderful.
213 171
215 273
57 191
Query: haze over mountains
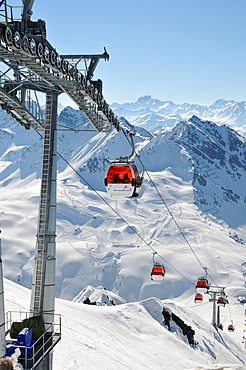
153 114
198 168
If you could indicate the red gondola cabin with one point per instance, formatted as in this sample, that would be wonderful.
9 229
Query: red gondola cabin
123 179
158 272
231 328
202 283
198 298
221 301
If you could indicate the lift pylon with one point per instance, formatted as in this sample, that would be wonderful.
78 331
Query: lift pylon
30 66
2 309
215 292
43 288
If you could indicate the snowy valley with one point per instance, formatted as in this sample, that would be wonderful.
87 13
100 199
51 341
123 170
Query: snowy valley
194 190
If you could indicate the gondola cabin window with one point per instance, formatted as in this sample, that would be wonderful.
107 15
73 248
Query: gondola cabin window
122 179
119 174
136 173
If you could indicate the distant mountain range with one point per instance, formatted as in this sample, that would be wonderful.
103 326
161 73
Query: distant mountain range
194 186
216 153
153 114
199 168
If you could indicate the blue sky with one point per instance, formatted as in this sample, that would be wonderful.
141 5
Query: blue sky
181 50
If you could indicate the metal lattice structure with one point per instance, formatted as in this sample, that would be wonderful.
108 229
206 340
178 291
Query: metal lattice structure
33 64
30 67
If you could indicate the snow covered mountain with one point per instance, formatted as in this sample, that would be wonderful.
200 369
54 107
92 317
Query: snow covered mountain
197 166
137 335
193 187
218 156
153 114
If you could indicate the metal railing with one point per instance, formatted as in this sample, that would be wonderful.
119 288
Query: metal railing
8 13
33 355
31 103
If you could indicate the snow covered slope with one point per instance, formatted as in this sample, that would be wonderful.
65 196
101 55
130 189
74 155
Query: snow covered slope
194 188
134 336
103 241
218 156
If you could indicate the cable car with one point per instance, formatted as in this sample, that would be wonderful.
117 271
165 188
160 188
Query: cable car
198 298
202 283
231 328
158 272
221 301
123 179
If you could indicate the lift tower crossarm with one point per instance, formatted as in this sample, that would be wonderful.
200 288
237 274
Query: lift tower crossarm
25 42
93 64
104 56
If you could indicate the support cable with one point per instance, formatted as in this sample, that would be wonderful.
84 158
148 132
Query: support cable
118 214
168 209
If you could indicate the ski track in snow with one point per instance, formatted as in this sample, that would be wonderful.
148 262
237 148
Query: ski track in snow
96 248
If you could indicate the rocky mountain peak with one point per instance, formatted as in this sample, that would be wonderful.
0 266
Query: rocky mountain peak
218 154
